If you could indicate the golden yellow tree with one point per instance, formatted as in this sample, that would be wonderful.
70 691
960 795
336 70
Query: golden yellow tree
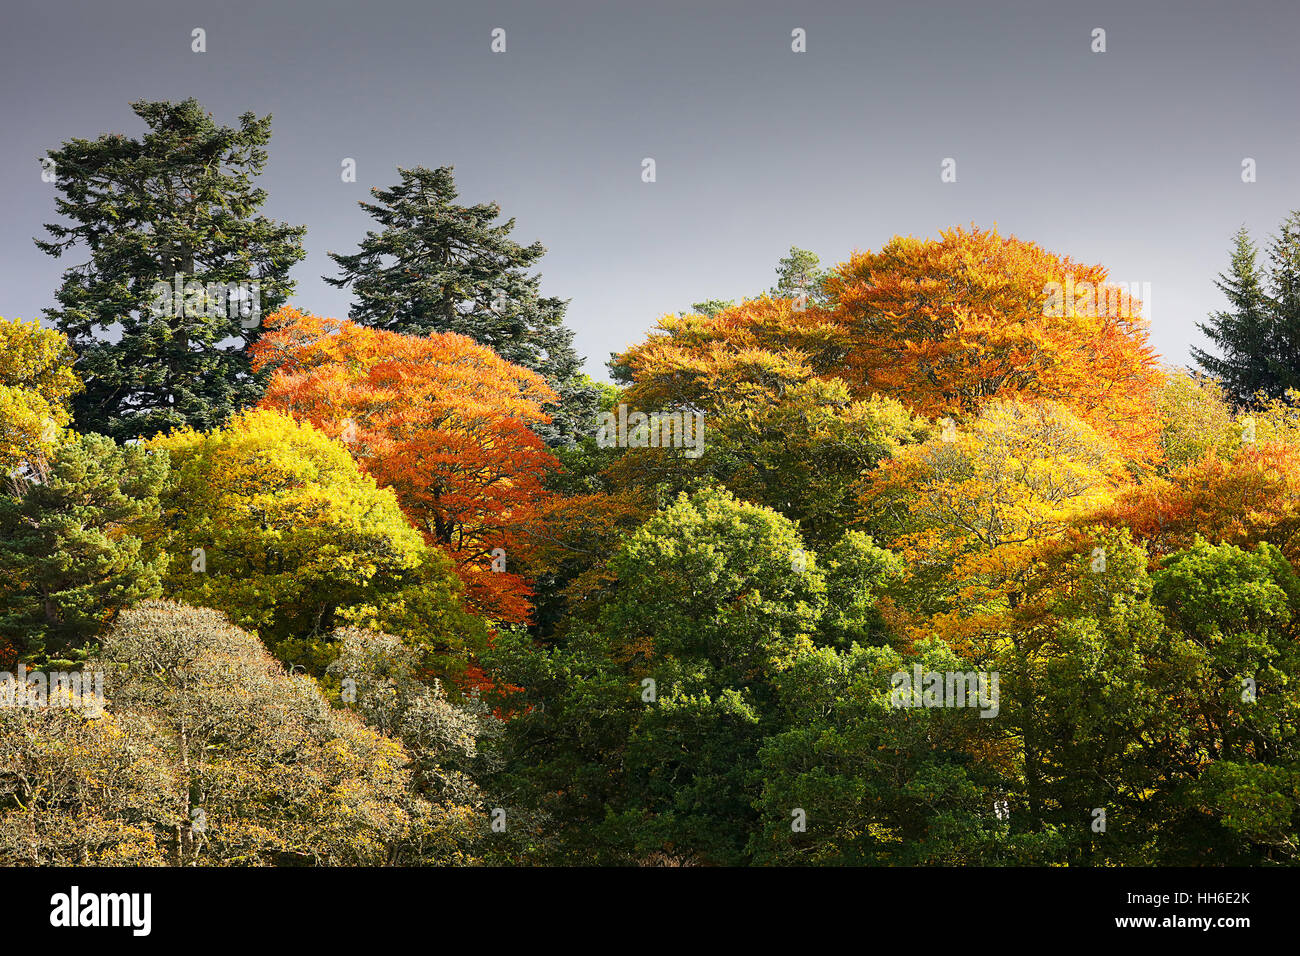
36 381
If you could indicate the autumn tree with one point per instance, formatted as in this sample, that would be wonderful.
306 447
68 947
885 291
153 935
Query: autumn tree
972 508
944 325
775 431
175 207
271 522
1196 420
437 266
1249 498
443 421
210 753
36 383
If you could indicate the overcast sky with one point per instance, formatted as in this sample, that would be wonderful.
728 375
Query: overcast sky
1131 158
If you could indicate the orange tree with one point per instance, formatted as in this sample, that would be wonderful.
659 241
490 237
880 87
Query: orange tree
443 421
1251 498
944 325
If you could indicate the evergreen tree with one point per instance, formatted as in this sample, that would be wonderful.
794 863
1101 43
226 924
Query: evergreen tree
1284 296
799 273
437 266
70 555
176 209
1258 336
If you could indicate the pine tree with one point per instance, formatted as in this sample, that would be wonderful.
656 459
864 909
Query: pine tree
437 266
799 273
1258 336
176 209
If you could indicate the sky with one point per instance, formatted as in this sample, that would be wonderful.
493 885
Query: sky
1131 158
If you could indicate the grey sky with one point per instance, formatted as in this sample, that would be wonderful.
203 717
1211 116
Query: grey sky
1131 158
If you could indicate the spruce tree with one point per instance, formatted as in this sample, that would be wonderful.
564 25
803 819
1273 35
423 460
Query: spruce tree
1283 354
438 266
1242 331
175 209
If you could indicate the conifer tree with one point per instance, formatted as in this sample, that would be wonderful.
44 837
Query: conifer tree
799 274
1284 296
1241 331
176 209
1258 336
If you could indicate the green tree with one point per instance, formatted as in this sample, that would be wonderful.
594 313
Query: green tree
71 553
851 779
1242 331
438 266
1284 293
650 720
178 205
800 274
1258 335
1236 612
710 307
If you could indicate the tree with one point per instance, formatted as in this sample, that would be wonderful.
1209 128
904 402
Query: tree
944 325
443 421
653 715
776 432
1242 332
710 307
1237 613
1249 498
36 382
71 553
799 274
872 784
209 753
181 262
1196 421
971 509
437 266
1283 357
381 676
273 524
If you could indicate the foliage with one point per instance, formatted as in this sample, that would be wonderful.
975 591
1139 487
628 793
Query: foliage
36 382
209 753
1258 336
296 540
945 325
178 205
71 553
438 266
442 421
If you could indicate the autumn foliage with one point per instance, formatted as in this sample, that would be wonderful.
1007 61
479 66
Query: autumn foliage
443 421
1249 498
946 324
